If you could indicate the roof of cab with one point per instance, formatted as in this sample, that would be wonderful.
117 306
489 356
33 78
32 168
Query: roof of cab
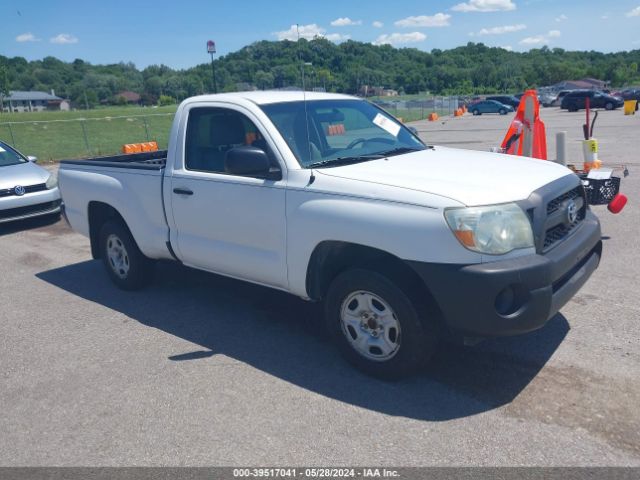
264 97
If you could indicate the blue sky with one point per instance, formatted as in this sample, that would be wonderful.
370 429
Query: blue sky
175 33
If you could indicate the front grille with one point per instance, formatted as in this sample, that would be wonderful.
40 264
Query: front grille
554 204
9 192
31 209
557 226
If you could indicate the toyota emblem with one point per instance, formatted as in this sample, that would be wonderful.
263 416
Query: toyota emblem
572 212
19 190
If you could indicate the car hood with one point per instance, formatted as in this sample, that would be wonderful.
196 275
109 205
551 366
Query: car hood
466 176
22 174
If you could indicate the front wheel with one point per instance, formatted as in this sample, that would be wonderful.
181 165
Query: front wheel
376 325
503 111
608 106
127 266
476 112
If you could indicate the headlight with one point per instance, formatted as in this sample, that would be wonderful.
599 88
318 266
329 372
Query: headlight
494 229
52 181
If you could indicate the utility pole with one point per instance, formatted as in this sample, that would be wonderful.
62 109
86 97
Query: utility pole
211 49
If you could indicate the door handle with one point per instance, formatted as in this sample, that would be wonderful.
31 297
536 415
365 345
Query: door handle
182 191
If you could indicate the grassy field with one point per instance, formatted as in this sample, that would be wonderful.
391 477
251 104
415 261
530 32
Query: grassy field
52 136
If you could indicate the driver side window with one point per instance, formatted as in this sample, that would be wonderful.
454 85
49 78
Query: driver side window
212 132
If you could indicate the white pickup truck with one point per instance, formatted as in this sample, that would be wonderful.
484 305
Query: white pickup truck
331 199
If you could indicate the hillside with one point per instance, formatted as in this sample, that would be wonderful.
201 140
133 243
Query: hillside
474 68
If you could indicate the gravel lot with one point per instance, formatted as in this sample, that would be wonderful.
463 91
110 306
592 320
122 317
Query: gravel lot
203 370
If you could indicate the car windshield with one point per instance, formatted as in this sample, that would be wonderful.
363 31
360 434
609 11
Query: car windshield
340 131
8 156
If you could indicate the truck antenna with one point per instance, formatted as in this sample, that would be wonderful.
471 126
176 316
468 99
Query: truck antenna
312 178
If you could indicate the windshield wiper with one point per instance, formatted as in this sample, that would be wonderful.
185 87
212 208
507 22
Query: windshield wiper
399 151
344 160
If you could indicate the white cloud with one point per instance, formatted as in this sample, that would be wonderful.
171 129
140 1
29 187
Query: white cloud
27 37
378 24
309 32
508 48
306 31
345 22
634 13
540 39
400 38
501 30
337 37
437 20
64 39
484 6
561 18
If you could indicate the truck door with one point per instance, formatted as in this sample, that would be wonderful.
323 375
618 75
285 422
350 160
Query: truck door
229 224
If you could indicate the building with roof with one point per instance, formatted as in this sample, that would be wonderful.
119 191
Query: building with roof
18 101
582 84
129 97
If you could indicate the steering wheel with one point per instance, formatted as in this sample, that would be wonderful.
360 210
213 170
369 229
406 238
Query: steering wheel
358 141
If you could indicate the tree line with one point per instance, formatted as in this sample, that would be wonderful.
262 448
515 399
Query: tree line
471 69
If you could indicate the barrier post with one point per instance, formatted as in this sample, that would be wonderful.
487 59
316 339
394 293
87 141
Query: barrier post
561 148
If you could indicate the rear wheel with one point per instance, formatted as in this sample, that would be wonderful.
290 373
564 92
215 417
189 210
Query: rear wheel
608 106
126 265
376 325
475 111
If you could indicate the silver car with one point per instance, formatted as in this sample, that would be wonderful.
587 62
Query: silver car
26 190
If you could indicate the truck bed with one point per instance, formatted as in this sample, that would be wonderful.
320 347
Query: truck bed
142 161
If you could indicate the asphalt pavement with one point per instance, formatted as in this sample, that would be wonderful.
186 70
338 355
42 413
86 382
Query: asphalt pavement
202 370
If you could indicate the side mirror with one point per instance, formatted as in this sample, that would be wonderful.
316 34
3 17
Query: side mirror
31 158
249 161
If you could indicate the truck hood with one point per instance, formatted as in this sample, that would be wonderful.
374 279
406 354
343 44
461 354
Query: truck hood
469 177
22 174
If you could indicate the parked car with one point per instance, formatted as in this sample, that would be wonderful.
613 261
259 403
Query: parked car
26 189
558 100
547 99
490 106
333 200
505 99
576 100
631 94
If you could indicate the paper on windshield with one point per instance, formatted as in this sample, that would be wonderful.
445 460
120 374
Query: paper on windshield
2 150
386 124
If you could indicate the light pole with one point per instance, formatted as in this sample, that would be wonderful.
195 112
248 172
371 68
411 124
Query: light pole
211 48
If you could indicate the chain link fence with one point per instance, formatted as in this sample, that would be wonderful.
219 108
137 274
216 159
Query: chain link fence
52 140
81 137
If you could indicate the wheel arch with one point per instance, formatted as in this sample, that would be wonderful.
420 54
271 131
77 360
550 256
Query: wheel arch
98 214
330 258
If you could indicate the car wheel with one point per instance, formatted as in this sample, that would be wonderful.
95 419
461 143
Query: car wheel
502 111
127 266
608 106
376 325
475 112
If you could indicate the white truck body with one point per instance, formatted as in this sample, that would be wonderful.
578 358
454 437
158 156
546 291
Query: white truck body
270 230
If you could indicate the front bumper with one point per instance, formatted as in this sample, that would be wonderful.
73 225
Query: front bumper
514 296
45 202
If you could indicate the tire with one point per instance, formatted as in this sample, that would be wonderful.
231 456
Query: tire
387 345
476 112
608 106
126 265
502 111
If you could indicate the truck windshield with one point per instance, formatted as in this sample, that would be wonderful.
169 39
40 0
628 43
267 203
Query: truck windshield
8 156
339 131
